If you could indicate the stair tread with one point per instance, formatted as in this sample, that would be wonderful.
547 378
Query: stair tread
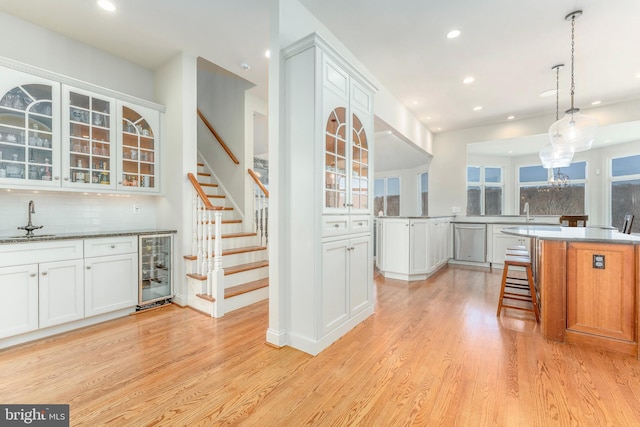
246 288
234 235
196 276
245 267
224 221
206 184
206 297
216 196
200 164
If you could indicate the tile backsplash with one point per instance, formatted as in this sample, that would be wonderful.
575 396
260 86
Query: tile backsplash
76 212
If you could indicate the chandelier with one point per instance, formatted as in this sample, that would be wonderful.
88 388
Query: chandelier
557 181
575 130
553 156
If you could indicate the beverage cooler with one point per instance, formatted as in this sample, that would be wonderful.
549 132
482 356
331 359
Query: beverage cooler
156 269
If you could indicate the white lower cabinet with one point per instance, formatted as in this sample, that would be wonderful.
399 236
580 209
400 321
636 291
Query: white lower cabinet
501 241
65 281
413 248
19 303
110 283
346 280
61 292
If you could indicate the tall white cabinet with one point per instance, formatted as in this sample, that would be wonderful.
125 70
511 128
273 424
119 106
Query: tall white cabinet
328 169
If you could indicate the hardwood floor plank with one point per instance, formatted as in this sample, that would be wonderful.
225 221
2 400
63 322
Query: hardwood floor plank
433 353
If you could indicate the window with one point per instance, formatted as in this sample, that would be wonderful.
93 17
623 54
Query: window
544 199
424 194
484 190
625 188
386 197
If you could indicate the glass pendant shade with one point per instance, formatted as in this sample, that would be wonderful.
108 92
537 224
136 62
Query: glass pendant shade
574 131
552 157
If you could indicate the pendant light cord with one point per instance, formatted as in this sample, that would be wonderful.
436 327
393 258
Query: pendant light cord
557 91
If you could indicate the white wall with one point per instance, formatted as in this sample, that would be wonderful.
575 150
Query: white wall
221 98
447 173
176 82
66 212
51 51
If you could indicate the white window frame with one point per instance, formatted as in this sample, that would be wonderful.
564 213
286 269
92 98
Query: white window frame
386 192
482 184
424 214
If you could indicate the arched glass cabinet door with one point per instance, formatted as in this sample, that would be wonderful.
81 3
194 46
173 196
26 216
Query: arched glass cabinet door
335 160
139 154
359 167
26 133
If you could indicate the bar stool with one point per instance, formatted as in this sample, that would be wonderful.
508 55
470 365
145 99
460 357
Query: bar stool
518 288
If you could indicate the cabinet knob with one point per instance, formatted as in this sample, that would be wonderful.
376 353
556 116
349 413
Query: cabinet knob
33 275
113 246
360 224
44 273
66 178
56 178
336 225
88 267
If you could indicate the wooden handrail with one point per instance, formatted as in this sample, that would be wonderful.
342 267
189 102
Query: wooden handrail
257 181
205 200
215 134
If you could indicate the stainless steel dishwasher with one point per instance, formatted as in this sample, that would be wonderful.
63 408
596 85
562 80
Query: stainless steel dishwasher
470 242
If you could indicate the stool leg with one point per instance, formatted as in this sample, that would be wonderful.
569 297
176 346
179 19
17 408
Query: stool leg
534 295
505 271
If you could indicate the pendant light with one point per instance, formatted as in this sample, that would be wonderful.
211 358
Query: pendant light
574 129
553 156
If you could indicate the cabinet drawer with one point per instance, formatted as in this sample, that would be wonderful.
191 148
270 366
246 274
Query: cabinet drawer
334 225
37 252
360 224
110 246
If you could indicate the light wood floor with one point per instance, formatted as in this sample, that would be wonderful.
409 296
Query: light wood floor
433 354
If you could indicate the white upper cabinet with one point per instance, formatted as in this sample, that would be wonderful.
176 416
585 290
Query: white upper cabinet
88 154
83 138
348 126
29 130
139 154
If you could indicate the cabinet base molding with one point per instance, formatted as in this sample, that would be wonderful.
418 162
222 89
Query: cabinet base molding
58 329
313 347
620 346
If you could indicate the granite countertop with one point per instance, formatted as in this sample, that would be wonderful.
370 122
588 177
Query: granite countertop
508 219
574 234
42 236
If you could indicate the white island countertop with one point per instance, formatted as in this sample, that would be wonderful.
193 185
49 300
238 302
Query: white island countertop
579 234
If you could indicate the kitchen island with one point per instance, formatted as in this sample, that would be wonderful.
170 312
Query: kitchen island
589 284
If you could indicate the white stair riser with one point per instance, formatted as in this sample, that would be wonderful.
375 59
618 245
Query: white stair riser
244 258
239 242
245 276
195 287
231 228
215 201
244 300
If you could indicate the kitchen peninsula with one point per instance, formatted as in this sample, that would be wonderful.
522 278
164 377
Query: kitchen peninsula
589 284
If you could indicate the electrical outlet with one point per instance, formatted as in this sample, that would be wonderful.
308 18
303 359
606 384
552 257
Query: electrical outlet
136 208
455 209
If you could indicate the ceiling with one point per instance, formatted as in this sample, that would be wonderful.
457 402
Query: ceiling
508 46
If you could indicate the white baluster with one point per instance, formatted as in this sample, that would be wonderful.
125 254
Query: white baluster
210 254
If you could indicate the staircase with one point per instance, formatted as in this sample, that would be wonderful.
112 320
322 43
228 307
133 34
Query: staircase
245 262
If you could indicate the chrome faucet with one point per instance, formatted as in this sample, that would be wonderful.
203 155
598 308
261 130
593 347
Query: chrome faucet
526 210
30 227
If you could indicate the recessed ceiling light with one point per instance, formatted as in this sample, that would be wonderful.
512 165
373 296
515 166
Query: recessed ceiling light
638 76
438 129
453 34
415 102
428 117
245 66
596 102
469 79
478 108
267 53
511 117
548 92
107 5
510 152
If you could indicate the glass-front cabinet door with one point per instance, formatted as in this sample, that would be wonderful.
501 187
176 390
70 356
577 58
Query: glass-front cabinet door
138 155
29 124
89 143
346 164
